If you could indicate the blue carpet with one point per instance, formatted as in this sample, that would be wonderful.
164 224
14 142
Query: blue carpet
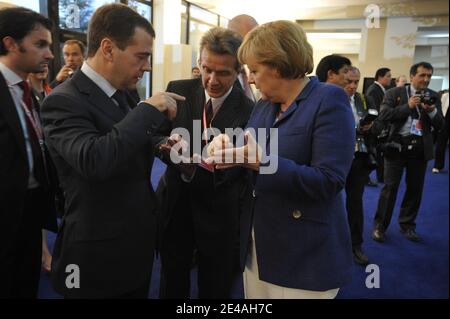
407 269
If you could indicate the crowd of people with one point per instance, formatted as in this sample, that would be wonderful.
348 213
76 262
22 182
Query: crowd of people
81 148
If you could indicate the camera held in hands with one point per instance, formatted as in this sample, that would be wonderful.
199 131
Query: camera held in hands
371 116
426 98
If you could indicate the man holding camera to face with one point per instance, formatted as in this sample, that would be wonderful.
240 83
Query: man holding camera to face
363 162
410 112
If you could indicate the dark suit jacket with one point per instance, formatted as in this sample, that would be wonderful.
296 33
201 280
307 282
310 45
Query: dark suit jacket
375 95
300 223
104 160
395 112
221 188
14 173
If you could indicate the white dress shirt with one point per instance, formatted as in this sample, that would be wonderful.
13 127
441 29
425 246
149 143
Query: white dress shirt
13 80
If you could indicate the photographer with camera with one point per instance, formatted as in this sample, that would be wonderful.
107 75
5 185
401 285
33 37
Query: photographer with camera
363 163
410 111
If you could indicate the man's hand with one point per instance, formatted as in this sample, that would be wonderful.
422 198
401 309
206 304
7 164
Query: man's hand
428 108
366 128
166 102
413 101
173 148
248 156
64 73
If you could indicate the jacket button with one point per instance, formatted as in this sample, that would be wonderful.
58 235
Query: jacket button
149 132
296 214
254 194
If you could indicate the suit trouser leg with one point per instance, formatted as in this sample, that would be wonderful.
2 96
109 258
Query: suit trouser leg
28 249
415 177
216 233
176 254
441 146
354 188
393 171
380 167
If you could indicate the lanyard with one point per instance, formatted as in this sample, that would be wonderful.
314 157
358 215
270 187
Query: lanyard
408 93
205 126
33 118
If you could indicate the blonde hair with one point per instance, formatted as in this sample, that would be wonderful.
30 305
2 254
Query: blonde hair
282 45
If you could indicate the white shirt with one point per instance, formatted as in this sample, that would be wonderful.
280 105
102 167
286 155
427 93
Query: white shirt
13 80
99 80
355 111
381 86
217 101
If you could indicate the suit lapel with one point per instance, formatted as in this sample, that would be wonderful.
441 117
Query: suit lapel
198 102
97 97
8 109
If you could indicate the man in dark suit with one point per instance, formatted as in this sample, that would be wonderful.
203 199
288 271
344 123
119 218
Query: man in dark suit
361 166
26 189
375 94
102 146
411 111
200 208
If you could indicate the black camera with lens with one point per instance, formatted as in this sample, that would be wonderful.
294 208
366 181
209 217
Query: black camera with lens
426 98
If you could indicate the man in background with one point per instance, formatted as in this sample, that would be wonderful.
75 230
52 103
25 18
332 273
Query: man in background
333 69
375 93
243 24
411 111
73 54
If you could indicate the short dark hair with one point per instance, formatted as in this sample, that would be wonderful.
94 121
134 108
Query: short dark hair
425 65
18 22
222 41
333 62
77 42
381 73
117 22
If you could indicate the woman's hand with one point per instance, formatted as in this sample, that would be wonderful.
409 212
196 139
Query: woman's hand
223 155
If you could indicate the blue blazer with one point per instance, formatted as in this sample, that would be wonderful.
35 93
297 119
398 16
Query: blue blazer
300 223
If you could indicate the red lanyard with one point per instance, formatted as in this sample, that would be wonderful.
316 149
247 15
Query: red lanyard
205 126
31 117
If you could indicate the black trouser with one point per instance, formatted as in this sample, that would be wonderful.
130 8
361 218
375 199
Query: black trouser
213 237
415 176
20 264
354 188
441 144
380 166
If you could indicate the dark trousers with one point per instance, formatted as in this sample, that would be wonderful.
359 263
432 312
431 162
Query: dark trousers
20 264
354 188
213 236
415 176
441 145
380 166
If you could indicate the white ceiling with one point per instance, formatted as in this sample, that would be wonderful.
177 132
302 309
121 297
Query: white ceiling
269 10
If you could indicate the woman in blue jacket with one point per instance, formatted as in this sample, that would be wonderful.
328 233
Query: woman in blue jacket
295 239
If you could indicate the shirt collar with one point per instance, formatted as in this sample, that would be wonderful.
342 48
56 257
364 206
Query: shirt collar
217 102
11 77
382 87
101 82
412 90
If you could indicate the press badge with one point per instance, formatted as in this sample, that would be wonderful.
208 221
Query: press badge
416 127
